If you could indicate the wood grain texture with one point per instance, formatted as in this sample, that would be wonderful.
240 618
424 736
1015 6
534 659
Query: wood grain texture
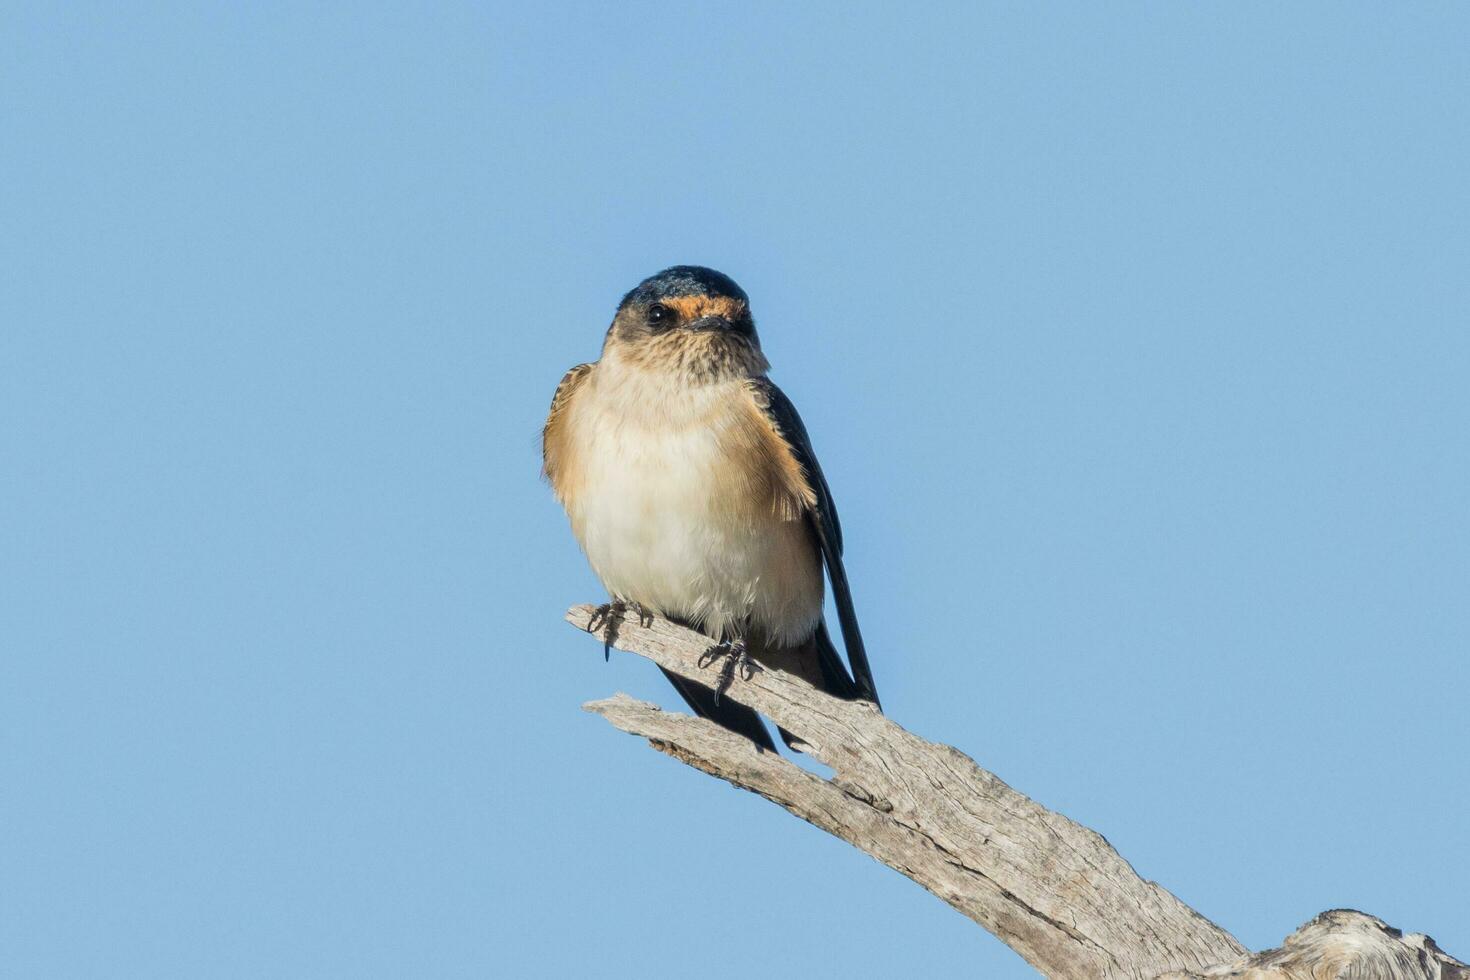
1054 891
1346 944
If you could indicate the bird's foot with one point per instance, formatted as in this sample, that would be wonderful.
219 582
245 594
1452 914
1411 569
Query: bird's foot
733 656
609 616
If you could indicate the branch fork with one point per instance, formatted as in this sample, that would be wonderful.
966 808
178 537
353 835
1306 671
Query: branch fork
1054 891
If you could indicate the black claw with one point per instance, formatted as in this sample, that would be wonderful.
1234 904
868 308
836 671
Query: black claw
599 616
734 656
608 616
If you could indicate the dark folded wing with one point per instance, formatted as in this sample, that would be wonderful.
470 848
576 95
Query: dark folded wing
822 518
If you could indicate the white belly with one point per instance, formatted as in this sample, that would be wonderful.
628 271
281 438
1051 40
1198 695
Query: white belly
667 519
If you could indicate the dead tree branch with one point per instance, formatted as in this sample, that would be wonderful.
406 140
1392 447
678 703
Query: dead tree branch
1054 891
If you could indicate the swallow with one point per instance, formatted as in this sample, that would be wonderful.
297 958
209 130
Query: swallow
691 484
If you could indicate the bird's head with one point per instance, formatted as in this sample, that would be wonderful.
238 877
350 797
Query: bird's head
687 319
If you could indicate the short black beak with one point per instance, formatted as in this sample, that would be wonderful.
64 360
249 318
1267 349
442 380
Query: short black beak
711 323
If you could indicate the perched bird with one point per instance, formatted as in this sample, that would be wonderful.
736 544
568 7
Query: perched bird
691 485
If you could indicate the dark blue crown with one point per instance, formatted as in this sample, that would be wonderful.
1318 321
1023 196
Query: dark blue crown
684 280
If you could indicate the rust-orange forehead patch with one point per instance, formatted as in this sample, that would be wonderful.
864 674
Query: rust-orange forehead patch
694 307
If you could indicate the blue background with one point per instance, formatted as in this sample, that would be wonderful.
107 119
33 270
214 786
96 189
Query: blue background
1132 337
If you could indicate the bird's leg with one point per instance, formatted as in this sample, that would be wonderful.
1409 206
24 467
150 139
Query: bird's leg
609 616
734 656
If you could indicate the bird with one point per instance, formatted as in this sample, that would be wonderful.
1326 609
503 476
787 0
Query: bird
691 485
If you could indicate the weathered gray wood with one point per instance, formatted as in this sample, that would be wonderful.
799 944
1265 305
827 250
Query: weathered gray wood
1054 891
1347 944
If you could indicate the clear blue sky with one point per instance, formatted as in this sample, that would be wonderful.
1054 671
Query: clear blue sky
1133 339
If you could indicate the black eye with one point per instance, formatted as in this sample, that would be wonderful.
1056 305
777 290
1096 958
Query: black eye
660 314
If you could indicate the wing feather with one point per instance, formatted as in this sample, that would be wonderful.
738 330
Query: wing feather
555 452
821 516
